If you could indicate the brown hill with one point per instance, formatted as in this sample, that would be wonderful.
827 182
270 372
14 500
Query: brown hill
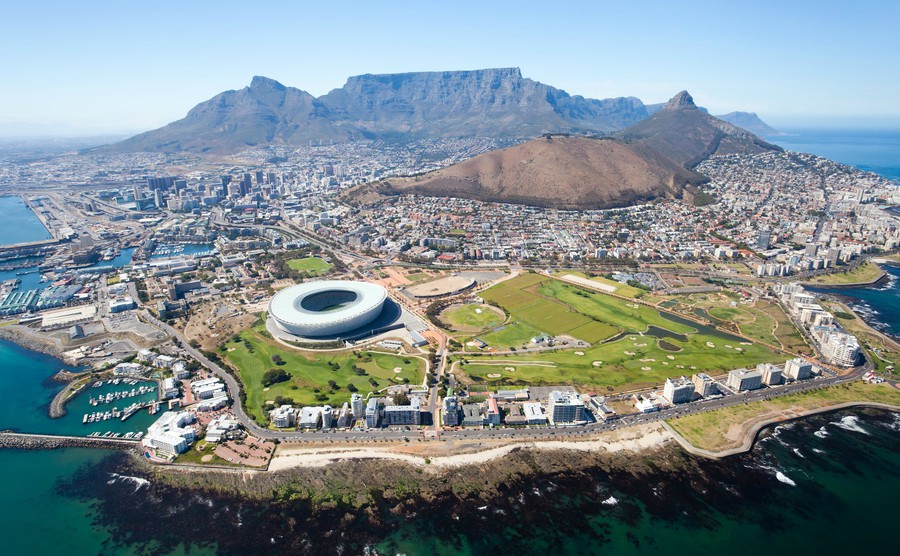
554 172
688 135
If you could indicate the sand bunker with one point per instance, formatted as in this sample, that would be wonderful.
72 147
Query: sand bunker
597 363
510 369
398 369
628 352
670 357
494 375
710 345
632 338
579 353
646 369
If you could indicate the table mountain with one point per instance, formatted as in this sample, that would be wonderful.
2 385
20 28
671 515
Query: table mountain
492 102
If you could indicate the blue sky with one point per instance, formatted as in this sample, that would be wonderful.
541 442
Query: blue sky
95 66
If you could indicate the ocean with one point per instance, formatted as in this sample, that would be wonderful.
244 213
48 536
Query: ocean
19 224
827 484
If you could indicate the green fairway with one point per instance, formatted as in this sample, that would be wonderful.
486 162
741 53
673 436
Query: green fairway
311 370
513 335
313 266
472 317
531 300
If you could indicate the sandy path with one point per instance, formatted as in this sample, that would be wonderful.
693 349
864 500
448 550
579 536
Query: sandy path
634 439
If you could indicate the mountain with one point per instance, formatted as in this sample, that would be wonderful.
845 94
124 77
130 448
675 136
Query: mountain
687 135
751 122
574 173
747 120
492 102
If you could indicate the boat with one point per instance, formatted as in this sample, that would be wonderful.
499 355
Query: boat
84 421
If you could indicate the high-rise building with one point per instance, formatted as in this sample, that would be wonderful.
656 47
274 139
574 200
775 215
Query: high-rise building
356 405
451 411
744 379
771 374
373 413
566 408
797 369
704 385
678 390
762 242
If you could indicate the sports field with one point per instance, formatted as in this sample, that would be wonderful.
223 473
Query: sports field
654 347
310 371
621 289
313 266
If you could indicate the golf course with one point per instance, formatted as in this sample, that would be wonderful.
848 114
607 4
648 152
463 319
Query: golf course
633 345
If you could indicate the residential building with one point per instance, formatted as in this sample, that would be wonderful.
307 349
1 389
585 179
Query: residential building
169 388
491 412
284 417
373 413
771 374
472 415
744 379
678 390
451 411
356 406
797 369
704 385
403 414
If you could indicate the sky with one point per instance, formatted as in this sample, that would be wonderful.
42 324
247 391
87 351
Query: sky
118 67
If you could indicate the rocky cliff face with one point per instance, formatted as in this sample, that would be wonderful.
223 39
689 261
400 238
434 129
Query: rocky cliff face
492 102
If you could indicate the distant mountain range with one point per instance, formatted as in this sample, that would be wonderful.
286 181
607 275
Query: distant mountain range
648 160
496 103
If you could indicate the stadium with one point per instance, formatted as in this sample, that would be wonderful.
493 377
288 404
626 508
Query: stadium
328 308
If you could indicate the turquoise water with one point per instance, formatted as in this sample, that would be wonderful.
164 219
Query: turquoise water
19 224
877 305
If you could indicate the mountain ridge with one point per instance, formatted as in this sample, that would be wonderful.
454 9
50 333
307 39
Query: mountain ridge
496 102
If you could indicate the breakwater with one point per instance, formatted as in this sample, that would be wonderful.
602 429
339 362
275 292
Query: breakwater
24 441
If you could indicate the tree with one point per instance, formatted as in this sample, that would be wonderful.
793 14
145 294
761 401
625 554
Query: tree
352 387
401 399
277 359
274 376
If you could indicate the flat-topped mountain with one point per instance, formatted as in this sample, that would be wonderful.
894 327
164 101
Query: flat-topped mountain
687 135
493 102
553 171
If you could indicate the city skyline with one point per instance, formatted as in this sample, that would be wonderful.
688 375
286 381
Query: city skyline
105 68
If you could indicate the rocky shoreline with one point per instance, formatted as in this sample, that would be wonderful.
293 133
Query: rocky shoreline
14 333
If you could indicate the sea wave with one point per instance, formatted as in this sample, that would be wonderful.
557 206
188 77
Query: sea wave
785 479
821 433
850 423
611 501
137 481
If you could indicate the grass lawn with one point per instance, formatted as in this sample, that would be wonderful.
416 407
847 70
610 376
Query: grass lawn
313 266
310 370
416 277
724 428
471 317
866 272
